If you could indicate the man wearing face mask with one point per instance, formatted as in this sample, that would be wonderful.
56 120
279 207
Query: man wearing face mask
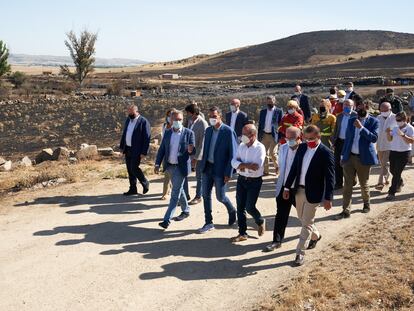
220 146
338 139
349 90
386 120
287 153
395 101
303 103
325 121
249 162
176 148
134 145
311 179
269 122
236 118
358 155
401 137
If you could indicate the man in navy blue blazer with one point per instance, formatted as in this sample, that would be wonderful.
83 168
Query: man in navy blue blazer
134 145
312 180
220 146
236 118
303 103
269 121
358 155
176 148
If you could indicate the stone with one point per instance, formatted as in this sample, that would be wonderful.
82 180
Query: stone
83 146
106 152
72 160
88 152
25 162
6 166
61 153
44 155
2 160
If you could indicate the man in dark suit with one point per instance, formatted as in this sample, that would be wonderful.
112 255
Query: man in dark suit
269 122
176 147
358 155
395 101
236 118
338 138
134 145
312 180
303 103
220 146
349 90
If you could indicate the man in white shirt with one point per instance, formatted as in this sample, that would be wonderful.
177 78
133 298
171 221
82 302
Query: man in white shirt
386 120
249 163
287 154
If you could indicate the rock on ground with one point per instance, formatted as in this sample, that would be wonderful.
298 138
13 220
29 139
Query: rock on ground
6 166
106 152
44 155
61 153
88 152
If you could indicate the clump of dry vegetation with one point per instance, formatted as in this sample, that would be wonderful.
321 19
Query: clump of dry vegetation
372 269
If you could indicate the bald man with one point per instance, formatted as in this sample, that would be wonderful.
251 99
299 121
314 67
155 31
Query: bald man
249 163
236 118
386 120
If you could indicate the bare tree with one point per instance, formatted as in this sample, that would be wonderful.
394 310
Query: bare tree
82 51
4 55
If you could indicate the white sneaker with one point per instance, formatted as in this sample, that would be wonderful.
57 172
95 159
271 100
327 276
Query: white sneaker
206 228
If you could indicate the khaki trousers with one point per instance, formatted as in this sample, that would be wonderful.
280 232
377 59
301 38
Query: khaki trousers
166 187
384 158
270 145
306 213
354 167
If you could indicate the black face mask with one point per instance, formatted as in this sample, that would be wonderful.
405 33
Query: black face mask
322 109
131 116
270 106
362 113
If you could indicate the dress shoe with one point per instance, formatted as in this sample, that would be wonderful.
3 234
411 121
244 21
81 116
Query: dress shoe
164 224
261 229
182 216
390 197
131 191
145 187
312 243
272 247
239 238
366 208
299 260
342 215
195 201
232 218
164 197
379 187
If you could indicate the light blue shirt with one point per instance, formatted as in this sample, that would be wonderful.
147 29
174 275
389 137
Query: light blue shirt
355 143
174 146
213 144
344 125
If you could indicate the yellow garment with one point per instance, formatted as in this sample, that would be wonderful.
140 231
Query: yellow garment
326 125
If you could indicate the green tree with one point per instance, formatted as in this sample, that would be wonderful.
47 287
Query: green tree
4 55
18 78
82 51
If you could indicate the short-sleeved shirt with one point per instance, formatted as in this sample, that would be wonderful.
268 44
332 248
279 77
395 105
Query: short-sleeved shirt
398 143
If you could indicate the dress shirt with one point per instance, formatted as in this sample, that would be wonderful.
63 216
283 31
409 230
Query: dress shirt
256 153
357 135
307 158
347 94
290 156
213 144
268 121
174 146
344 125
233 119
398 143
389 122
130 131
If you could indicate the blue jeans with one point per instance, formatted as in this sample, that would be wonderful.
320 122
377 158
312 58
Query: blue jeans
209 180
177 193
199 178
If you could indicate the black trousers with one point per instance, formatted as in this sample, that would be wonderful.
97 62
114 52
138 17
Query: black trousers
134 171
398 161
339 173
282 216
247 193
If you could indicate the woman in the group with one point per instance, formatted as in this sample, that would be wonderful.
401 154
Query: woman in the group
167 178
401 138
291 118
325 120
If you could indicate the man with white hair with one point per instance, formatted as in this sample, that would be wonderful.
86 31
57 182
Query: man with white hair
236 118
386 120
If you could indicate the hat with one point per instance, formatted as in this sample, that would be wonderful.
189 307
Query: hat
388 90
333 96
341 93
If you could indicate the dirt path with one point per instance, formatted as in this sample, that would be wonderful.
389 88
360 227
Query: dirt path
86 247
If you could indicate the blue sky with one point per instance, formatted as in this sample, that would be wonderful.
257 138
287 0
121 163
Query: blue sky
166 30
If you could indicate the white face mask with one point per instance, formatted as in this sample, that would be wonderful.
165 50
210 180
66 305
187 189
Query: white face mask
385 114
177 124
291 111
349 89
401 124
213 121
233 108
245 140
298 93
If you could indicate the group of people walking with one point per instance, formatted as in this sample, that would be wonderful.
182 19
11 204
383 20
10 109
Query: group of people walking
314 154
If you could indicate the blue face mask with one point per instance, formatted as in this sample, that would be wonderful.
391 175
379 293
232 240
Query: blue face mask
347 110
177 124
292 142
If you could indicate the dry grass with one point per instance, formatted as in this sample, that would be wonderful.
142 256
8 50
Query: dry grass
372 269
